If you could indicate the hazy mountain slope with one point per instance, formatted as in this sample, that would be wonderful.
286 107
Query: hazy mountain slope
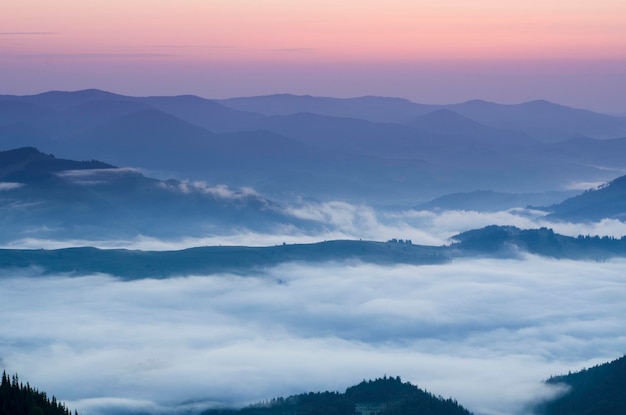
147 138
65 113
15 110
490 201
59 115
58 100
77 118
28 165
45 197
264 160
545 121
377 109
458 157
203 112
385 396
352 135
435 133
595 391
607 154
608 201
328 155
542 120
157 140
468 133
23 134
24 124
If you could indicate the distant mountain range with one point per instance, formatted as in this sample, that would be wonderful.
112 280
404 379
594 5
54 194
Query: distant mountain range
490 201
385 150
545 121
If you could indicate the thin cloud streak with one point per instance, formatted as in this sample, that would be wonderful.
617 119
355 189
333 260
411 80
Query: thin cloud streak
195 46
4 186
85 56
294 50
29 33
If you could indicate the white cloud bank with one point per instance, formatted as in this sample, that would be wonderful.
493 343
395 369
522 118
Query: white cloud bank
485 332
340 220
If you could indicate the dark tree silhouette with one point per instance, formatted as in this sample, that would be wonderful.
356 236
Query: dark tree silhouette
19 399
600 390
386 396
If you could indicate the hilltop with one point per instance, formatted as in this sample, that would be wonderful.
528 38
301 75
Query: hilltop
385 396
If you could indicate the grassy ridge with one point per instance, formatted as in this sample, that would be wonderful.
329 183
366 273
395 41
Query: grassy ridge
492 241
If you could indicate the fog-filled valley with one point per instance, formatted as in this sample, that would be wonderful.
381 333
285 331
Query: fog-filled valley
485 332
178 254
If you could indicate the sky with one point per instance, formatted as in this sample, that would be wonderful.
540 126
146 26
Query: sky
570 52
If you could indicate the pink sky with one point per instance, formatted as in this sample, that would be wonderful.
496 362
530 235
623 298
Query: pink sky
571 52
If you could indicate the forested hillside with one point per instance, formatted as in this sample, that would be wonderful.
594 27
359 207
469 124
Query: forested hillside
607 201
384 396
600 390
19 399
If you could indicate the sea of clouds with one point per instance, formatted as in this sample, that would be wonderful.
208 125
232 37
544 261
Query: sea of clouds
342 220
485 332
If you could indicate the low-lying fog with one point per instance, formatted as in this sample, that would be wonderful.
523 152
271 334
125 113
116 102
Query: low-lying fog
485 332
341 220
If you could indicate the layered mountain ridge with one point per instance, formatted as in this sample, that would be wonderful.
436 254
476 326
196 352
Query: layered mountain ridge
41 195
382 149
45 196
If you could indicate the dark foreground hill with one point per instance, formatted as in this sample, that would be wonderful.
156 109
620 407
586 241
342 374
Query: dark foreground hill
19 399
600 390
387 396
213 259
489 242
